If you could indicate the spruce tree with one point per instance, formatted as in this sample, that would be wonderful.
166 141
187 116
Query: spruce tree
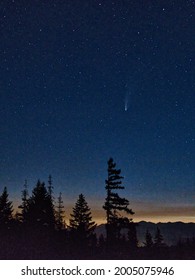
115 206
158 239
60 224
50 186
148 240
40 209
132 236
6 209
81 222
25 203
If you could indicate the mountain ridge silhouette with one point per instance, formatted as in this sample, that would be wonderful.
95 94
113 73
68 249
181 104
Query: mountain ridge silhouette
172 232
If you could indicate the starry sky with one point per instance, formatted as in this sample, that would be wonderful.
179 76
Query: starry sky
82 81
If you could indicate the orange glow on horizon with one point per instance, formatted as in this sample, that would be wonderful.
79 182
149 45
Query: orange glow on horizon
152 214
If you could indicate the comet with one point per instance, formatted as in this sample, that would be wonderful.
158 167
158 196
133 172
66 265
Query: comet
126 102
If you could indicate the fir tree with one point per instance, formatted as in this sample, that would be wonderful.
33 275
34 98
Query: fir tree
40 210
25 203
115 206
81 220
50 186
6 209
158 239
148 240
132 236
60 224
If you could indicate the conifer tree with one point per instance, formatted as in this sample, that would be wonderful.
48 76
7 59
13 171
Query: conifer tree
148 240
81 220
40 210
50 186
158 239
132 236
115 206
6 209
60 224
25 203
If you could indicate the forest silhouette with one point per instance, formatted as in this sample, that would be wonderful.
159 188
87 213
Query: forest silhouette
38 229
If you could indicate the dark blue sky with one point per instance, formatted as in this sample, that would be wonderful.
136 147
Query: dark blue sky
81 81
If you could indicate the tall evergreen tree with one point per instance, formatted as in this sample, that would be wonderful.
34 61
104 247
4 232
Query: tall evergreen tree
158 239
25 203
132 236
148 240
115 206
60 224
50 186
40 210
81 220
6 209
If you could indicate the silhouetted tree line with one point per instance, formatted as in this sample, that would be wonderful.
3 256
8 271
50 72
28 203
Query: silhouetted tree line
38 229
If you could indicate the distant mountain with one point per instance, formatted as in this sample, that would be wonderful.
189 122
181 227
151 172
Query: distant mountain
172 232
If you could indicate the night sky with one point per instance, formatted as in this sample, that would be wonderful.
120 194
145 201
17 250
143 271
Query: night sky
82 81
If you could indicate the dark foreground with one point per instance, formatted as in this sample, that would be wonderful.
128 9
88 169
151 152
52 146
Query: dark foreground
46 245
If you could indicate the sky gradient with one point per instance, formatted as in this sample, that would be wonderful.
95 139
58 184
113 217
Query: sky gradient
82 81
